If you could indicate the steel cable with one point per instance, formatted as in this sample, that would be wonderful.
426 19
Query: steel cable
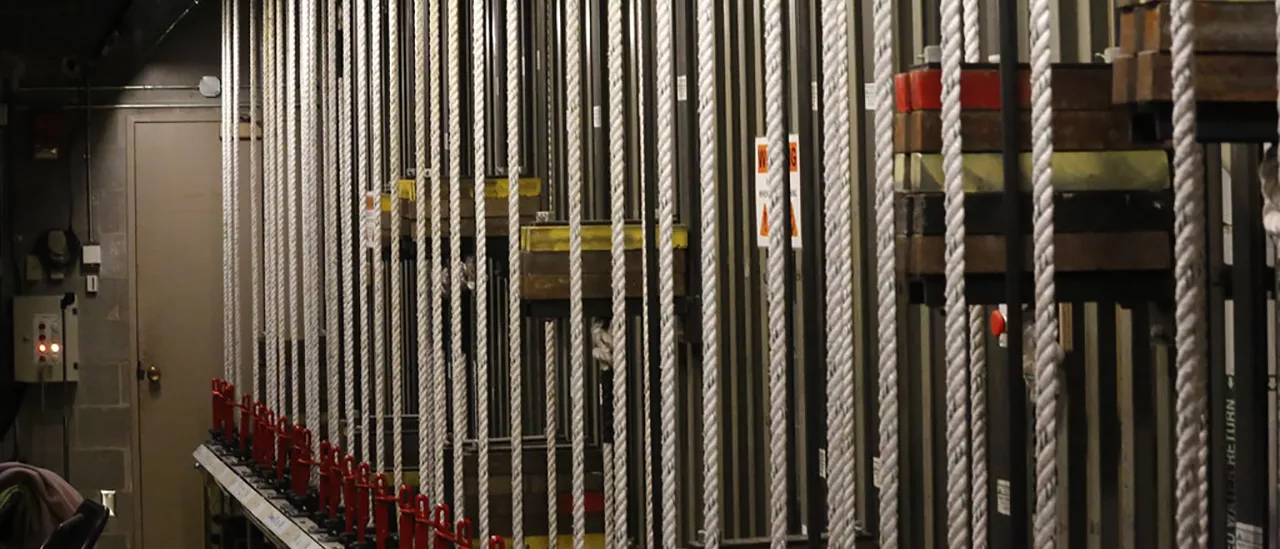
886 278
775 103
515 344
1047 351
456 356
841 494
957 315
1191 440
422 272
281 106
397 221
618 265
362 174
646 220
377 180
349 247
332 213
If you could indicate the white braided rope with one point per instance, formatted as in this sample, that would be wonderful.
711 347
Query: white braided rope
237 297
573 146
618 270
295 252
479 71
957 324
255 208
440 420
425 474
1191 438
377 180
886 279
515 343
397 222
228 298
775 103
282 207
362 175
978 424
456 356
618 320
552 434
1046 330
311 226
841 467
332 213
348 248
972 31
269 204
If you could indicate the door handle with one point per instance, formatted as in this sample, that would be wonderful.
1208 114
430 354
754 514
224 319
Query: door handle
153 374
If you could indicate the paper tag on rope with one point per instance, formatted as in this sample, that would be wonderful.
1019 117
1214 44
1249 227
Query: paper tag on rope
372 220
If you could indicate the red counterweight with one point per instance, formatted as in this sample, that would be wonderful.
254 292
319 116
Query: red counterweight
408 512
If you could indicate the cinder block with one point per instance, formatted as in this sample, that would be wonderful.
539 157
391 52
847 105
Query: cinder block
113 541
100 469
104 426
110 214
115 255
111 303
100 384
104 340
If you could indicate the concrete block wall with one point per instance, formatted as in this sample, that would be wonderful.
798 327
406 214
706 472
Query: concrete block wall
101 413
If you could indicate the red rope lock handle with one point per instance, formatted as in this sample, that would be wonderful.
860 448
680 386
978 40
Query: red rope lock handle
462 535
496 542
335 483
407 512
422 523
362 502
442 524
385 502
349 492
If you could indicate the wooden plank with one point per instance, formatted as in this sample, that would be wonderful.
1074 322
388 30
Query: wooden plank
1131 30
1074 252
1219 78
1221 27
1077 86
921 131
1123 74
546 275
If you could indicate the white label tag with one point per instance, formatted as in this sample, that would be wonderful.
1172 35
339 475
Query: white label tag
682 88
372 220
875 472
1248 536
813 105
1003 494
822 463
869 96
597 118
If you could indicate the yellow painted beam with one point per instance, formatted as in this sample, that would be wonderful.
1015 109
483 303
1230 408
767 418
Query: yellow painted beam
493 188
1072 171
597 238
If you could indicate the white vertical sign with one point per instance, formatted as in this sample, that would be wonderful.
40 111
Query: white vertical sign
763 191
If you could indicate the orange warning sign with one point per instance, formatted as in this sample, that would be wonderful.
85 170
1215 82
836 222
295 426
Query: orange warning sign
764 194
764 223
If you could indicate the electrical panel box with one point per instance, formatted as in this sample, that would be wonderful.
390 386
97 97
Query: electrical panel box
46 340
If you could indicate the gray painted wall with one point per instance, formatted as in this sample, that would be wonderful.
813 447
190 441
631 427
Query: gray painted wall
45 195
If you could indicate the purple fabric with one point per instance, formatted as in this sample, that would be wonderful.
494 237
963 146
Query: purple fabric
55 499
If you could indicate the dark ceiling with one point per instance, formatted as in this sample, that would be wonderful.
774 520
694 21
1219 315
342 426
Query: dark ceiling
49 42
